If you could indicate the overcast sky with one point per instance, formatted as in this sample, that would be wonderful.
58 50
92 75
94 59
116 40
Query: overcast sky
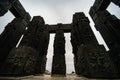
58 11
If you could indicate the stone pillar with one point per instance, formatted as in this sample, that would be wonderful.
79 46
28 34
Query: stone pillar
91 59
58 64
42 47
31 54
80 35
10 37
37 37
108 25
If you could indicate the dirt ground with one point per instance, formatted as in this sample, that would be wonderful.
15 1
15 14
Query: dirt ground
48 77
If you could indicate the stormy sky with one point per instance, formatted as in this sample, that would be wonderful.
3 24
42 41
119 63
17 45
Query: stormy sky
59 11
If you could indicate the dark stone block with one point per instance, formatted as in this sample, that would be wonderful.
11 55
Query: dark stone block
108 25
21 61
58 64
90 59
94 61
99 5
10 37
18 10
37 37
41 64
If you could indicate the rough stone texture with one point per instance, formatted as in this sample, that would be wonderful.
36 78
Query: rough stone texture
41 64
15 8
81 33
99 5
30 56
52 28
90 59
18 10
58 64
37 37
108 25
10 37
94 61
21 61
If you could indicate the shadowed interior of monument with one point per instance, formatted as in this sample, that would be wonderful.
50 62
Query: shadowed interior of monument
25 40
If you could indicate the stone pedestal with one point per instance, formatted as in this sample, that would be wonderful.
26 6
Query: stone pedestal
59 65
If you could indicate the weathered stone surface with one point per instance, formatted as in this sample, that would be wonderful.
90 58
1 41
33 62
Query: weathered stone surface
31 54
52 28
33 34
58 64
81 33
37 37
90 59
21 61
16 9
94 61
40 64
10 37
99 5
108 25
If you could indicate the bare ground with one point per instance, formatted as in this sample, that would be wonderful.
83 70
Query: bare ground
48 77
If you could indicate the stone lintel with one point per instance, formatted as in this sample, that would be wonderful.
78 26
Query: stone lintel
65 27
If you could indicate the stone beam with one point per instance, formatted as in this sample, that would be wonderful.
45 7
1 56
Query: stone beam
65 27
99 5
15 8
18 10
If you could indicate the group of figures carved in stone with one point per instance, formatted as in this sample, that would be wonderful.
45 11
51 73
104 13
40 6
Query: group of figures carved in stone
90 58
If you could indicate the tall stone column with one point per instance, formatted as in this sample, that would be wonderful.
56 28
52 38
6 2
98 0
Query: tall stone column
10 37
37 37
30 56
108 25
81 34
91 59
59 64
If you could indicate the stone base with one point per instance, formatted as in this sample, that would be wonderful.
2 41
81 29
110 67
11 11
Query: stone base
58 65
94 61
20 62
41 64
